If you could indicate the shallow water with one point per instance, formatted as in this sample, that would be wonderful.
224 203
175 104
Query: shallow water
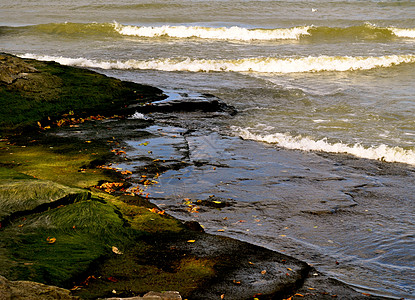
350 218
323 77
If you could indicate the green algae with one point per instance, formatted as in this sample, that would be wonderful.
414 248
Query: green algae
64 163
85 230
59 244
91 235
27 194
35 90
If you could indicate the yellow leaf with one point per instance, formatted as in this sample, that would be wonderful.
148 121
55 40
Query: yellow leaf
115 250
51 240
191 241
263 272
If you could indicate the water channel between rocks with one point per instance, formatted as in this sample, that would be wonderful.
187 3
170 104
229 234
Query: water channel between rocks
350 218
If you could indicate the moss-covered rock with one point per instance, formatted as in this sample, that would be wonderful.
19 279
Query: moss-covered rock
32 91
20 196
57 245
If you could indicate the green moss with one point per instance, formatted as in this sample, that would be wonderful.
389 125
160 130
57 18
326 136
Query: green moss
144 268
10 174
28 194
84 232
64 163
53 89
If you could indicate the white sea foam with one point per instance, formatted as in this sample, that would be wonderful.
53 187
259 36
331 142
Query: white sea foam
222 33
259 64
404 32
381 152
139 116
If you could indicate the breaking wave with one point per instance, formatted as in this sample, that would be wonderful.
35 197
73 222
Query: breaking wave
259 64
366 31
381 152
222 33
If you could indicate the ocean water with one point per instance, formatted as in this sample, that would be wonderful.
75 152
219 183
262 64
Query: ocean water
316 76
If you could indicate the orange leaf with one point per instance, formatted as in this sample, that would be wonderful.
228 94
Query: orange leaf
112 279
51 240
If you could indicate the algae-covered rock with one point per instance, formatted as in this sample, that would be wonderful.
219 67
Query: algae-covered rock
19 290
20 196
59 244
33 91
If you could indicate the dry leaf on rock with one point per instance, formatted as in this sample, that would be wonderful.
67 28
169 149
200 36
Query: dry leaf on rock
115 250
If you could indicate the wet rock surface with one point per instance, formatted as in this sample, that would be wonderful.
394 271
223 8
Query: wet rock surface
200 176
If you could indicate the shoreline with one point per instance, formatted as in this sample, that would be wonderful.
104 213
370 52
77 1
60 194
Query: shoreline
185 252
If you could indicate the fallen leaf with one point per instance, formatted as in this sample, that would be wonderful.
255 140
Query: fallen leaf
263 272
300 295
115 250
51 240
112 279
191 241
221 230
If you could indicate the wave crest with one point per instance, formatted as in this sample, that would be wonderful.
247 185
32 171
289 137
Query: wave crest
260 64
366 31
381 152
222 33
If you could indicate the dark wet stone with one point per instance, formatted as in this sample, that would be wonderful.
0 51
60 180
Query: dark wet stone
194 226
209 103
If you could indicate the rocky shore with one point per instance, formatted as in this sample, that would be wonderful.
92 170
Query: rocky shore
74 226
